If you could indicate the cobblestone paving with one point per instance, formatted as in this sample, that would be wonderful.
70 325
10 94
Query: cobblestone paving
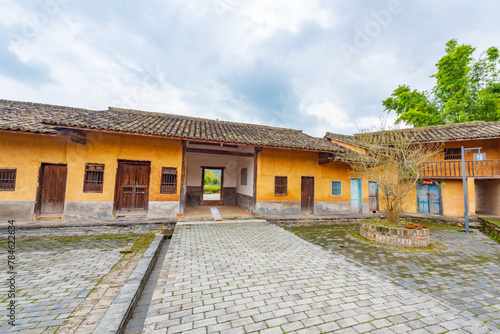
466 275
255 277
53 277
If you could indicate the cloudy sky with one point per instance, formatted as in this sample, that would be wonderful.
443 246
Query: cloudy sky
315 65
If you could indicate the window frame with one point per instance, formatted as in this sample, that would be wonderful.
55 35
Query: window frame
276 193
340 188
452 153
88 186
244 176
165 188
10 183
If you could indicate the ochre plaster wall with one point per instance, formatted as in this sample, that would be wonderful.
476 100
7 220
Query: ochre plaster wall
294 165
489 146
26 152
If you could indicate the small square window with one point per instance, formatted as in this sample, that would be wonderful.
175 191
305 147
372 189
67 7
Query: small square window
168 180
280 185
243 179
94 178
336 188
8 179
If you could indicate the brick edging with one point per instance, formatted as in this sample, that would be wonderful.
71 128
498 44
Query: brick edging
116 317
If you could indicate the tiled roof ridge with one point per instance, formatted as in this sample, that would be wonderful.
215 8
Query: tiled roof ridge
333 134
193 118
433 127
37 104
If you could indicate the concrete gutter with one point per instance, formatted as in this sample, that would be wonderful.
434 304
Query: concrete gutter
116 317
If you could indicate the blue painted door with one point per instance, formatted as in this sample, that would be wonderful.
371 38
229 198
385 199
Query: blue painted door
429 199
356 199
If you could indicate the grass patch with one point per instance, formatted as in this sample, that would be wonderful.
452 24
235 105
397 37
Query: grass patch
493 221
211 189
434 246
491 234
84 237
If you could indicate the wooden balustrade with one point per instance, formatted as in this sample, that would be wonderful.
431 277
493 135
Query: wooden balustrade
453 169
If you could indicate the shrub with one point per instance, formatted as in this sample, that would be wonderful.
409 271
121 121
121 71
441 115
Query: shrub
211 189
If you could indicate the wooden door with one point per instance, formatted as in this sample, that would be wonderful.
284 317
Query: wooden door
51 190
373 196
132 190
356 199
307 194
429 199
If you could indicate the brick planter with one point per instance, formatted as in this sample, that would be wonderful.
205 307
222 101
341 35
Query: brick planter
418 237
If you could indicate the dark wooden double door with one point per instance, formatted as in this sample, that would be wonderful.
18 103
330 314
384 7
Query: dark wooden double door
51 190
132 187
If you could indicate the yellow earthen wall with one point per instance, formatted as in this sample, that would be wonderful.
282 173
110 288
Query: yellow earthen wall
26 152
294 165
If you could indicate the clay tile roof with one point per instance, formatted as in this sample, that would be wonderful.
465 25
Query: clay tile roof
439 133
44 118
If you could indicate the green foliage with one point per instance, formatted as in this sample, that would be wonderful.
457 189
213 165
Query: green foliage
491 234
467 89
212 177
211 189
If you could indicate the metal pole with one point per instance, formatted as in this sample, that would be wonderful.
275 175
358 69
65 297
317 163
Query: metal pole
464 180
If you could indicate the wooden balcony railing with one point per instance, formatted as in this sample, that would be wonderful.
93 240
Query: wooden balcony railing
453 169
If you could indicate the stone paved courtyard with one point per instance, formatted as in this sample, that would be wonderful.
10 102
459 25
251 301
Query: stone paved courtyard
54 277
466 275
256 277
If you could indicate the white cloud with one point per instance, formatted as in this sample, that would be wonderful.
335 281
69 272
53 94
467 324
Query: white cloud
268 62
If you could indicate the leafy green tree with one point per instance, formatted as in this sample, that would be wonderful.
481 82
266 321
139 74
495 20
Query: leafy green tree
467 89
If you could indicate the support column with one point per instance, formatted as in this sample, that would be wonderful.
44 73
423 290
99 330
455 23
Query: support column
182 199
471 196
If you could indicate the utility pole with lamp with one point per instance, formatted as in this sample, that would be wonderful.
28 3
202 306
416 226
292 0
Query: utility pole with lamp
477 157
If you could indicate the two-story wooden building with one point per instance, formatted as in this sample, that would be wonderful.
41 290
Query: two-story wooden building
441 192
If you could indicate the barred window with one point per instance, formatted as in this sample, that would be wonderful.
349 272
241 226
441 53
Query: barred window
7 179
94 178
244 172
168 180
336 188
452 154
280 185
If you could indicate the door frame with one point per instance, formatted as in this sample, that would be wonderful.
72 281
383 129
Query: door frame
438 187
377 196
117 183
221 200
302 193
360 192
38 202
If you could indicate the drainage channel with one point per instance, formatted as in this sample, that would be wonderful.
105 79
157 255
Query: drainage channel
136 323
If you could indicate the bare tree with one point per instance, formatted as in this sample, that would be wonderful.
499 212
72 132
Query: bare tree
394 159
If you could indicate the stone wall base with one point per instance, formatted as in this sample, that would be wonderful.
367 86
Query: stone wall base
278 208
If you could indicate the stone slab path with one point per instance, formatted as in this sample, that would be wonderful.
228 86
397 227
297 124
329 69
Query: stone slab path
54 277
466 275
256 277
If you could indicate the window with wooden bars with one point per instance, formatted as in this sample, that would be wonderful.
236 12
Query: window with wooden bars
168 180
94 178
336 188
243 179
280 185
452 154
7 179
